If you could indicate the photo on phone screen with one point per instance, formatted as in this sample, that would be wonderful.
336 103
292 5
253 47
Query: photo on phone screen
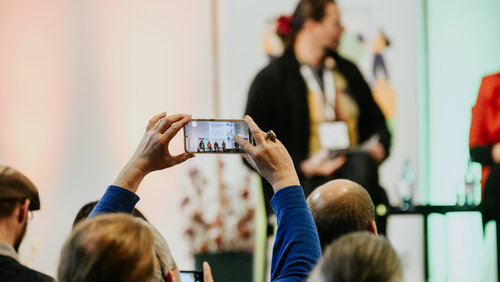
214 136
191 276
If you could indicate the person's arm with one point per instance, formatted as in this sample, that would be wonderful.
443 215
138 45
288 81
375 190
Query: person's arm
482 150
482 154
297 246
152 154
115 199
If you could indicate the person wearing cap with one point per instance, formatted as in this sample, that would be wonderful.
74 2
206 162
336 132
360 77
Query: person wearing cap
18 197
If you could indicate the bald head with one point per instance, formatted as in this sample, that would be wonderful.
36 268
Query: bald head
340 207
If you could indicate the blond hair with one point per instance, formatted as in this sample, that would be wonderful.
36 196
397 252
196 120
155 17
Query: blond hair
110 247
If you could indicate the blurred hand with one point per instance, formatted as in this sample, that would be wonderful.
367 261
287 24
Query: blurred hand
377 151
270 159
321 165
207 273
152 153
495 153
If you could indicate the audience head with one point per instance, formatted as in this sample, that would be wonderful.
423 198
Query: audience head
86 209
166 261
360 257
321 18
18 196
168 270
339 207
111 247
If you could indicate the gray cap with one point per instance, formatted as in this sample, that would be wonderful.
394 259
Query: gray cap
14 185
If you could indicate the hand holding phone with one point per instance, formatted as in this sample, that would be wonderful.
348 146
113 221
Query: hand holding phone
191 276
215 136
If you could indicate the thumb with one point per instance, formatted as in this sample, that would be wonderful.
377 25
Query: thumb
182 158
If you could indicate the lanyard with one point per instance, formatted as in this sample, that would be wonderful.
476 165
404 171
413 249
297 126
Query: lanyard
329 84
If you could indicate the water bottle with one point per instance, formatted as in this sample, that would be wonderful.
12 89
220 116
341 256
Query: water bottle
471 180
406 186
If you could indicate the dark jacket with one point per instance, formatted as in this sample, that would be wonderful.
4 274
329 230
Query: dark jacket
12 270
277 100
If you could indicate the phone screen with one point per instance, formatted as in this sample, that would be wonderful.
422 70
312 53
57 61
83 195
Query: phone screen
191 276
214 136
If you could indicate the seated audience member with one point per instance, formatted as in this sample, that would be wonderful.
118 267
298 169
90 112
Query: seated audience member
112 247
358 257
162 250
340 207
18 197
296 248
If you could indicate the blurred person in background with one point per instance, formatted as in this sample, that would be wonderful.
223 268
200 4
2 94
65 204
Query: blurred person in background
484 144
310 86
18 197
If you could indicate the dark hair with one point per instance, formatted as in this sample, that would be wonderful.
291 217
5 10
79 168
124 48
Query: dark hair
350 212
86 209
110 247
306 9
361 257
7 207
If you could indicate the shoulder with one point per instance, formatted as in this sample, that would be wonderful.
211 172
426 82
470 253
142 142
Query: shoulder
12 270
279 68
342 61
492 79
490 88
346 67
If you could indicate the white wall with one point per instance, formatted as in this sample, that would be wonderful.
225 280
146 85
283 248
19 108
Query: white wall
78 82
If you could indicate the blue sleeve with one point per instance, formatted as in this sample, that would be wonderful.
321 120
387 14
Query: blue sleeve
296 248
115 199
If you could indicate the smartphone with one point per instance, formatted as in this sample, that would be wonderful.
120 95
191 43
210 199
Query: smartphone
191 276
215 136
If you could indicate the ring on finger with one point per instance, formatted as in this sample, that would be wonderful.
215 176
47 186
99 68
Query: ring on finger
270 135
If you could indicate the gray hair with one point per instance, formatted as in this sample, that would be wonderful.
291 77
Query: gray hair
361 257
167 262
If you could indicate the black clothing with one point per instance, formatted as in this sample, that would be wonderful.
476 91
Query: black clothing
490 209
12 270
277 101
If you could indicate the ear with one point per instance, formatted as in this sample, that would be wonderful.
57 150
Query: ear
23 211
373 227
170 277
309 23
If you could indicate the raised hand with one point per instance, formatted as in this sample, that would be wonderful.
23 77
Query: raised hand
153 153
270 158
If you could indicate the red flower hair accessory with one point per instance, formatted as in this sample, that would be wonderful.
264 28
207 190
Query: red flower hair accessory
285 25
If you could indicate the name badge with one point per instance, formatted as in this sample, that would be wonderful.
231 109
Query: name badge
334 135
